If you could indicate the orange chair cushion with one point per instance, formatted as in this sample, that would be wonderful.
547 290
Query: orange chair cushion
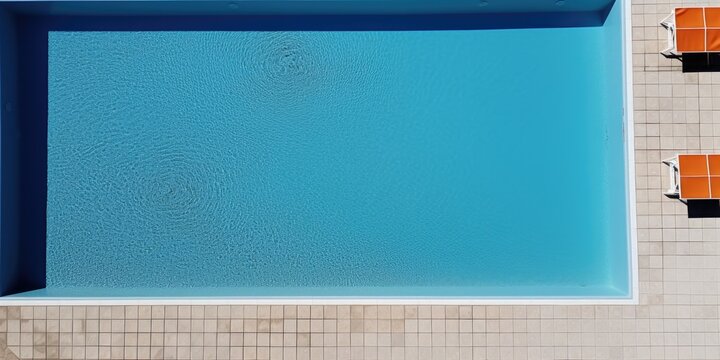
689 18
712 17
714 164
694 187
693 165
715 187
690 40
713 40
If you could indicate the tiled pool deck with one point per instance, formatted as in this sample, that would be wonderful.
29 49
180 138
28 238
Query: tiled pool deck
679 260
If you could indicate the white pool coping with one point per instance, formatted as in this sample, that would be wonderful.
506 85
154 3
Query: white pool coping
629 134
306 301
629 123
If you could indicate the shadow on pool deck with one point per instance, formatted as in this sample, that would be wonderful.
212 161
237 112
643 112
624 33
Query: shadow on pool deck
703 208
701 62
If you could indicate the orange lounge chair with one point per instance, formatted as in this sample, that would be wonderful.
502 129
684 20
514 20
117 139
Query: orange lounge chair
692 30
694 176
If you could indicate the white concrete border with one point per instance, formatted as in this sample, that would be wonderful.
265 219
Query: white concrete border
306 301
629 134
629 124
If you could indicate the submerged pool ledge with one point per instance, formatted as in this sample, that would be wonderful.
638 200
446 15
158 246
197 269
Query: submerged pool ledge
316 22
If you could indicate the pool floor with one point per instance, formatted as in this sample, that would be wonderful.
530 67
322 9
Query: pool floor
389 163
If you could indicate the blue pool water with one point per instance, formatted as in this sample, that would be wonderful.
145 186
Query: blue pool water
425 163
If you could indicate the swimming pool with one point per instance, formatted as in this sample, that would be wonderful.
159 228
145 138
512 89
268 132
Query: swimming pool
381 156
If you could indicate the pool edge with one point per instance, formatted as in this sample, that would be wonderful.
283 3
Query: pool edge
629 133
630 196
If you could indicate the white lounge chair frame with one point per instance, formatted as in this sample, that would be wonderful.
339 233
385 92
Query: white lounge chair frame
674 172
669 24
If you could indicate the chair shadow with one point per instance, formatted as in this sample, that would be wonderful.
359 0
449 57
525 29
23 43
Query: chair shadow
698 209
703 62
